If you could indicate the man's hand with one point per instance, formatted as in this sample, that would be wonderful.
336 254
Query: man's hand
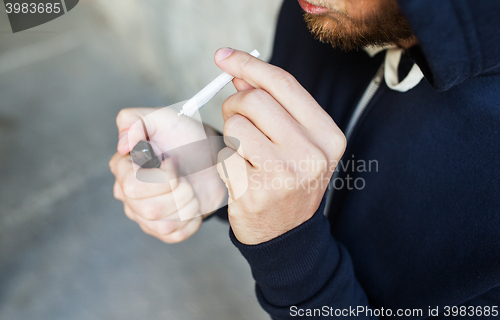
157 207
290 143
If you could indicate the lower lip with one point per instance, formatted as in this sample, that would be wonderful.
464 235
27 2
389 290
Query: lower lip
309 8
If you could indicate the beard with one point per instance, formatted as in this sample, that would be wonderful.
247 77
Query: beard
387 26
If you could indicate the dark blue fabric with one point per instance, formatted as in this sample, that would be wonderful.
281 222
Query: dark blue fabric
425 230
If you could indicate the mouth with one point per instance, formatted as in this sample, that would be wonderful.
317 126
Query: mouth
312 9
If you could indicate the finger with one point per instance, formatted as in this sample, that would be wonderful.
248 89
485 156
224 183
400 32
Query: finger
117 192
136 189
184 233
162 227
172 223
264 112
234 171
168 174
190 210
127 119
165 205
154 124
129 212
241 85
113 162
123 146
253 144
279 83
178 236
148 231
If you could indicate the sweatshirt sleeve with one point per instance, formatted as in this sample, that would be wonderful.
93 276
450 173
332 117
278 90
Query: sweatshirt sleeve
304 268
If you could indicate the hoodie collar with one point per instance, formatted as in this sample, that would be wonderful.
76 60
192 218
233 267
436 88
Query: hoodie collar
458 39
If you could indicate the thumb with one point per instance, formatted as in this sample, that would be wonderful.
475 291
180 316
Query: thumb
223 155
233 170
132 127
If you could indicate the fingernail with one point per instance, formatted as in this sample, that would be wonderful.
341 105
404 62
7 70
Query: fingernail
223 53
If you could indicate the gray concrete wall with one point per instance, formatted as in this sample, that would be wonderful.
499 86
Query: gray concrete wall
67 250
174 41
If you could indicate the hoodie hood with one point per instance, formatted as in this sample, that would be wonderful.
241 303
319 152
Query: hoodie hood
459 39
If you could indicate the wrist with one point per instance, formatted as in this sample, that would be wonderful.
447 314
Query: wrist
287 214
291 268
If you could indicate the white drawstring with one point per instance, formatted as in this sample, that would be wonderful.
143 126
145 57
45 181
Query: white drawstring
392 59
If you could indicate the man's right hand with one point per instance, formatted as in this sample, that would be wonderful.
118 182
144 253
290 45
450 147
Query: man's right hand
155 207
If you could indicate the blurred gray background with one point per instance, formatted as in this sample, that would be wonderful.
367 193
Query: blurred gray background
67 250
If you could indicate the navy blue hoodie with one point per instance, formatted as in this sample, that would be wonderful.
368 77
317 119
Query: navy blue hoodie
424 231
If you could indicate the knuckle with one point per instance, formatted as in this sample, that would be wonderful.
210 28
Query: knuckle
121 116
126 210
229 124
316 162
337 145
166 240
130 188
254 97
187 191
176 237
283 79
227 106
166 227
341 141
181 235
151 212
241 101
144 229
129 213
244 63
113 163
116 194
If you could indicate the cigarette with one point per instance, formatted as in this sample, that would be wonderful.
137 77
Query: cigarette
206 94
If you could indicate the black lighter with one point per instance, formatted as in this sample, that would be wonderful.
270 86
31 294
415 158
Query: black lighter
144 155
